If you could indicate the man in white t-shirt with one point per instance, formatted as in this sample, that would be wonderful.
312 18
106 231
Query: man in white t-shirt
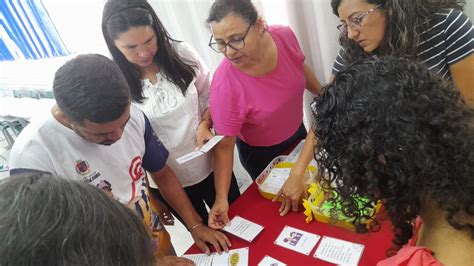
94 134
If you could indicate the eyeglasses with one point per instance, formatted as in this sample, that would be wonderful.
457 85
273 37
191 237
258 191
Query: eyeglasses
234 43
355 23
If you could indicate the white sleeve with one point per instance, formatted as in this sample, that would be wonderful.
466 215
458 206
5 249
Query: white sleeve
31 156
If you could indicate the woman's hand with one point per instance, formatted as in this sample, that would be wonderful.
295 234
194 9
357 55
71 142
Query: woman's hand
204 236
292 192
203 133
218 216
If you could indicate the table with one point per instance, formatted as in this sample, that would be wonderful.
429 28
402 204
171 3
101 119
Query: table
252 206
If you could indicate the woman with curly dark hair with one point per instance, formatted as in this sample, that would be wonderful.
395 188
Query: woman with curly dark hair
434 32
391 130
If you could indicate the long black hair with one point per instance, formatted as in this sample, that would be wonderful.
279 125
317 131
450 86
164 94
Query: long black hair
391 130
406 20
118 17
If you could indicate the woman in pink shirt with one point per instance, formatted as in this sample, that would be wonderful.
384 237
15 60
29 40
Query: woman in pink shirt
392 130
256 94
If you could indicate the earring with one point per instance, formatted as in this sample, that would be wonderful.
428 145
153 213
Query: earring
265 27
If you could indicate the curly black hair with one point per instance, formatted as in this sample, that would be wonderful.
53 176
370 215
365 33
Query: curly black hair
390 130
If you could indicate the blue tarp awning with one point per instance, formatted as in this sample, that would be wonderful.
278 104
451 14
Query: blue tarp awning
27 31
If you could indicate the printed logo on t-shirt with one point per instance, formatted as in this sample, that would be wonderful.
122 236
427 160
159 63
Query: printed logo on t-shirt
135 169
82 167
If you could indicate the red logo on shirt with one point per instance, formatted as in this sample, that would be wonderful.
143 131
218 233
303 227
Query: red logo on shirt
135 169
82 167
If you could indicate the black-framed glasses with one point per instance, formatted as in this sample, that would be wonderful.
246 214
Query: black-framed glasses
356 22
234 43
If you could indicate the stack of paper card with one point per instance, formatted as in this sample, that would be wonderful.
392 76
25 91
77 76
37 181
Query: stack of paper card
235 257
275 180
243 228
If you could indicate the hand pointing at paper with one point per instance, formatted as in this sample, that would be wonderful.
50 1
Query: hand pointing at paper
218 217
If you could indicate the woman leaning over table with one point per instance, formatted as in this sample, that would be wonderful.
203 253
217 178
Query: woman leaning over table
256 94
434 32
393 131
170 83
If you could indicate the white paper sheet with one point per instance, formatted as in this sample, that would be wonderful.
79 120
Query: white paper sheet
205 148
200 259
235 257
297 240
243 228
339 251
269 261
275 180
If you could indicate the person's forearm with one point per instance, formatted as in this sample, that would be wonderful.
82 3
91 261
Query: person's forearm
312 83
306 155
174 194
223 164
206 118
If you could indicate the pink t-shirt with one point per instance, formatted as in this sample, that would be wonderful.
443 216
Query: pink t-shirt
411 254
264 110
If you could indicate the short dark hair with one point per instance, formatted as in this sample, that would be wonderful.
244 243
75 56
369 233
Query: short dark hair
242 8
391 130
406 20
91 87
121 15
46 220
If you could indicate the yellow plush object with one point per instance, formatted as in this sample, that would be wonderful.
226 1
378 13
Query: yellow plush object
316 195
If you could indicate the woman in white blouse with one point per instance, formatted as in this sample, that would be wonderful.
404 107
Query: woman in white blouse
170 83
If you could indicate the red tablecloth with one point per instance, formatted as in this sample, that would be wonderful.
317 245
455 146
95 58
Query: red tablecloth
264 212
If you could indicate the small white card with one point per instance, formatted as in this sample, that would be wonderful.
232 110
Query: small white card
297 240
243 228
200 259
205 148
275 180
339 251
269 261
235 257
211 143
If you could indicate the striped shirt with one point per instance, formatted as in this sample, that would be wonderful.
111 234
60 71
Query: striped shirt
449 40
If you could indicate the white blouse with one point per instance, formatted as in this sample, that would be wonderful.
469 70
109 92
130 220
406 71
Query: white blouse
175 118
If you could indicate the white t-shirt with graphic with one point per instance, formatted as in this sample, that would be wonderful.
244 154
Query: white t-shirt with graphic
118 169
